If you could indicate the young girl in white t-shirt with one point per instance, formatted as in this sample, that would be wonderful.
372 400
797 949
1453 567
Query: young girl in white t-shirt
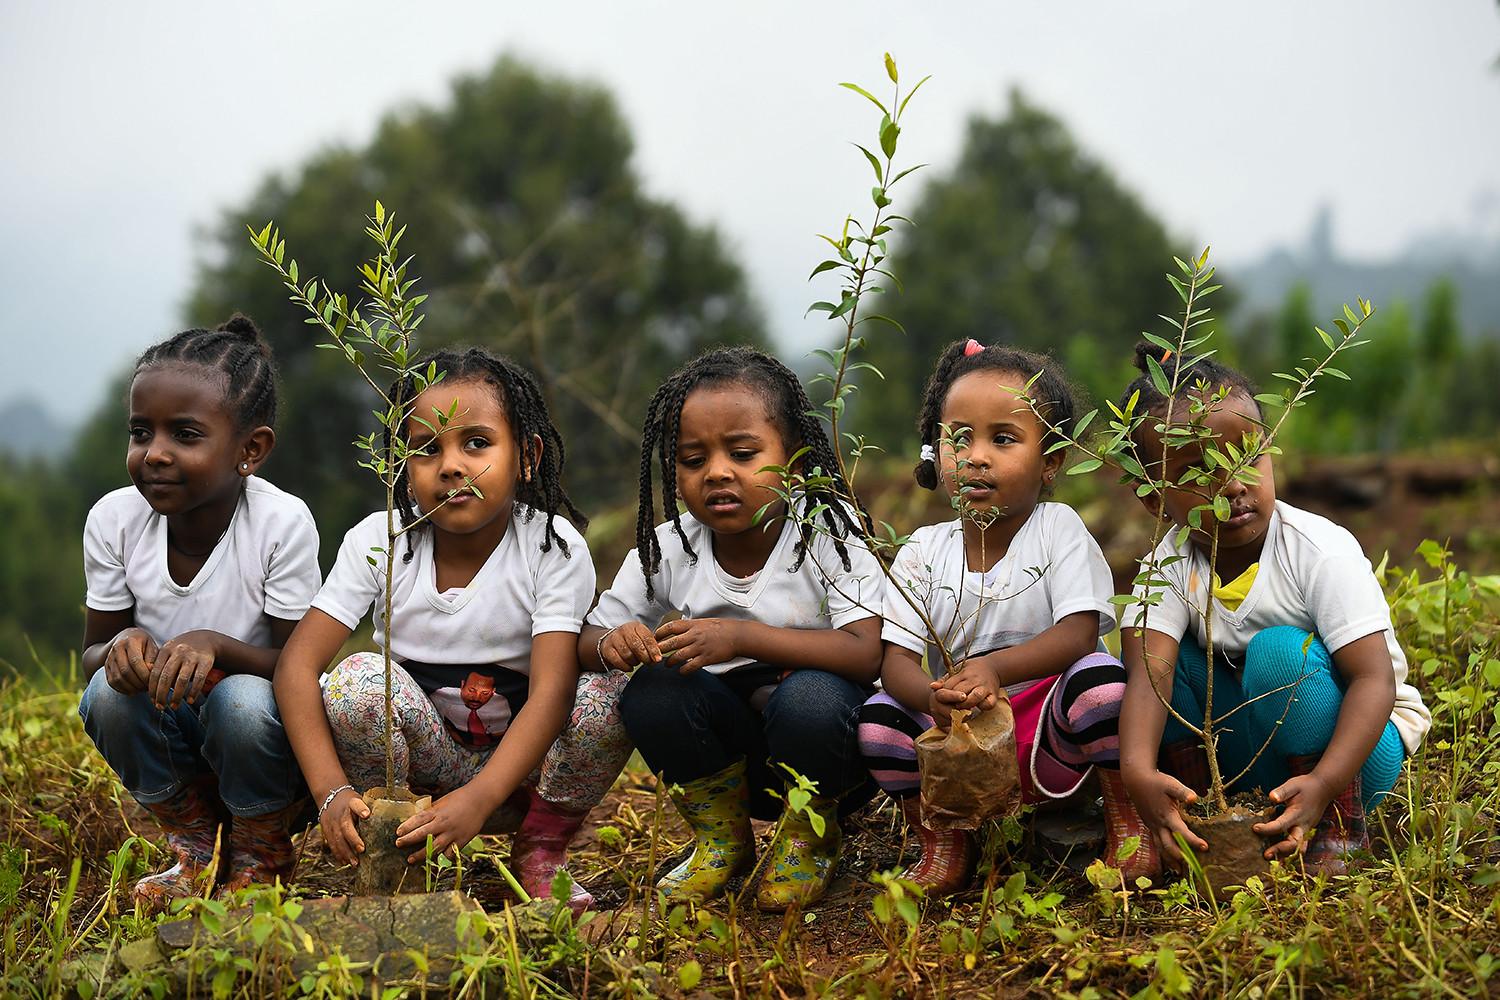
1019 591
776 640
1306 662
489 594
196 576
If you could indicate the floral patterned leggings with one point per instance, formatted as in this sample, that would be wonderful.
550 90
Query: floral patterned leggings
575 774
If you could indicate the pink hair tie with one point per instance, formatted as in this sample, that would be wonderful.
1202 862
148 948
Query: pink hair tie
972 348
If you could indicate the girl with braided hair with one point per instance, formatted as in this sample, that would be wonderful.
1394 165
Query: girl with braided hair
775 640
1021 594
196 575
489 593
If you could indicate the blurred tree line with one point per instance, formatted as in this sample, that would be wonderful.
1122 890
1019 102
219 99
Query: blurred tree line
533 237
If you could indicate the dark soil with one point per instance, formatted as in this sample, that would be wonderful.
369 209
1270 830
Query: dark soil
1235 851
383 869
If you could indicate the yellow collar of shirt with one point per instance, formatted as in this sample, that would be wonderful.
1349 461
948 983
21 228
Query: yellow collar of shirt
1233 593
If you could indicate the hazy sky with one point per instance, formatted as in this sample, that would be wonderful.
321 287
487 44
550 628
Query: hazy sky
127 124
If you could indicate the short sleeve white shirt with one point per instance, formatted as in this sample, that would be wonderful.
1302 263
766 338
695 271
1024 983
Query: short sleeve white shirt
1314 576
1052 569
266 564
819 594
518 593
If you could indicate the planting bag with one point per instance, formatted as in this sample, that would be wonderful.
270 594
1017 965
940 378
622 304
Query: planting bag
969 773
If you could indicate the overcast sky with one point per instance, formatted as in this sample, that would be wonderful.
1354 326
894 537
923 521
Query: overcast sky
127 124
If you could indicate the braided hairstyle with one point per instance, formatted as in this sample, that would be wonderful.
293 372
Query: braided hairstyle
789 409
526 411
1205 371
1053 392
236 350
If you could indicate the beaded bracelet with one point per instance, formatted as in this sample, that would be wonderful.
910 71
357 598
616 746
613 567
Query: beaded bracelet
599 646
328 801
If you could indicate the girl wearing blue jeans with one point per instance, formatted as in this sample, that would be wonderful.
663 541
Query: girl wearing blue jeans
1306 661
196 576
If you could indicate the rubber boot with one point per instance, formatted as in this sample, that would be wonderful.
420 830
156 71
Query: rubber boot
717 810
540 849
802 860
191 820
1187 761
260 848
947 862
1340 831
1122 821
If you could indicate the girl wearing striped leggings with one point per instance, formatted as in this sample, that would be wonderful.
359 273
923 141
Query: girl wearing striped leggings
1017 591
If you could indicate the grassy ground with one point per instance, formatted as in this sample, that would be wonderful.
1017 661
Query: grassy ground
1420 917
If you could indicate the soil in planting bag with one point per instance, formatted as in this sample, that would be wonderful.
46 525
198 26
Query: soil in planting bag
969 773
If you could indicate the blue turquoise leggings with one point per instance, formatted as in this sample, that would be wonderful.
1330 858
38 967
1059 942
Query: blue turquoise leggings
1275 659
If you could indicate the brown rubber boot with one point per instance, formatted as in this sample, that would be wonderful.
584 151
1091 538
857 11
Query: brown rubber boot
947 862
1121 821
191 820
260 848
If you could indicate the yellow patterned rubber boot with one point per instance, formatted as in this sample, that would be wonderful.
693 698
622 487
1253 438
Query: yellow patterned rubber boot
802 858
717 809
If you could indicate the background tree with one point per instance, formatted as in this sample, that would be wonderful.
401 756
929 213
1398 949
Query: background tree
1028 240
535 240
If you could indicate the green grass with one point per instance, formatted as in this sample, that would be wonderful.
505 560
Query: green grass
1420 916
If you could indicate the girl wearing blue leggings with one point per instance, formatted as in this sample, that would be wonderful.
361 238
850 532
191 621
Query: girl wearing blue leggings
1306 662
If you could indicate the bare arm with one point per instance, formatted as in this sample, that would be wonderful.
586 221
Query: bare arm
852 652
457 817
100 628
313 643
625 647
904 678
1049 652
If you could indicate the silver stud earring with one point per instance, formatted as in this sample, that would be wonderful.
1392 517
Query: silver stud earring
244 466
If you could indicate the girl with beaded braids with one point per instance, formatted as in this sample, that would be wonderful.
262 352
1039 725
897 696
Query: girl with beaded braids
1021 593
775 637
489 593
196 575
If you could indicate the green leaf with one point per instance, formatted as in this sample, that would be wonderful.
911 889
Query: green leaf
1087 465
690 974
1221 507
874 163
862 92
1158 376
877 195
827 265
890 68
889 133
907 100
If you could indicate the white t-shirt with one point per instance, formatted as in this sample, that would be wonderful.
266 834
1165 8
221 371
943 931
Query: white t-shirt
518 593
265 564
1052 569
820 594
1312 575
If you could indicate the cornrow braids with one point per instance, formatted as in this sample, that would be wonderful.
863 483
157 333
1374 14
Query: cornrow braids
236 350
789 409
1052 390
1207 371
526 411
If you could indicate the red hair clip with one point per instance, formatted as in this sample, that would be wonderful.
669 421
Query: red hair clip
972 348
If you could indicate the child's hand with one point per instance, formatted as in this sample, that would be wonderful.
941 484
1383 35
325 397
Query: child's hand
942 714
452 821
628 646
182 668
132 656
1156 796
1303 799
692 643
340 829
975 686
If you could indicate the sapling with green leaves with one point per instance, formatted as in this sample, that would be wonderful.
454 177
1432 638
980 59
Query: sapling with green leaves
376 336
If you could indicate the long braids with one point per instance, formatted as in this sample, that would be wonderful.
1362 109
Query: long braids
526 412
236 350
788 407
1053 392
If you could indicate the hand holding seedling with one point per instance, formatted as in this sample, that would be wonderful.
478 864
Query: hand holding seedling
1303 799
629 646
452 821
977 686
340 826
131 658
691 643
1157 795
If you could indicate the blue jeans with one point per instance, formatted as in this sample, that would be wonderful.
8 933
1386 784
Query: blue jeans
234 733
1275 659
690 726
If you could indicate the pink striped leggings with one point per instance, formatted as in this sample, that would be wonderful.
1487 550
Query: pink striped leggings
1079 726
